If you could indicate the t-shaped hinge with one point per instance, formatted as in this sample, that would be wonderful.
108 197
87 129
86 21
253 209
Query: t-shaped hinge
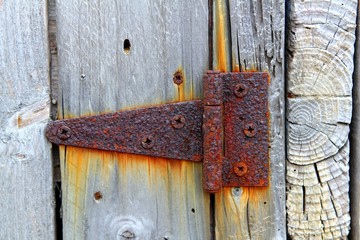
227 131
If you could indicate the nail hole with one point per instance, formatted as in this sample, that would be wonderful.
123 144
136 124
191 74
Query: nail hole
264 202
98 195
127 46
193 210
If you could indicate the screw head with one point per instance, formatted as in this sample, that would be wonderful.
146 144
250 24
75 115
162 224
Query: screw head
178 121
240 169
249 130
64 132
178 78
147 142
240 90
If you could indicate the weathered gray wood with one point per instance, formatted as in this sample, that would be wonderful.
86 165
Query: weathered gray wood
249 36
26 202
113 196
320 65
355 143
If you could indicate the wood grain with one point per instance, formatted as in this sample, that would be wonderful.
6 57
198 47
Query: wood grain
121 196
320 52
249 36
26 185
355 143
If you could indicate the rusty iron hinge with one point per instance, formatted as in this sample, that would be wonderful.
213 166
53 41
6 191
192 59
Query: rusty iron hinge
227 131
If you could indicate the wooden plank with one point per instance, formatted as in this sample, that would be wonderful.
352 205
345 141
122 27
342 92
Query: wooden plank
249 36
355 143
26 189
320 53
123 196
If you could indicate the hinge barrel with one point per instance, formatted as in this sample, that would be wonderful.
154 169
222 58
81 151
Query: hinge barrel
213 132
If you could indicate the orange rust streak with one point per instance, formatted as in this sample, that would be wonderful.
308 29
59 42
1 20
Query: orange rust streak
221 48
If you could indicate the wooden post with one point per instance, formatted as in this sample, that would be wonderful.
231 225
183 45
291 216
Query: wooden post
320 51
249 36
120 55
26 186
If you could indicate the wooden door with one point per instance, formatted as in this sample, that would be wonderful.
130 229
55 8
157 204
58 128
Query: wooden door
96 57
118 56
122 55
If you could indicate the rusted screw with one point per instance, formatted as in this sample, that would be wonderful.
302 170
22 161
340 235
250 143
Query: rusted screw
98 196
64 132
249 129
178 78
240 90
178 121
147 142
240 169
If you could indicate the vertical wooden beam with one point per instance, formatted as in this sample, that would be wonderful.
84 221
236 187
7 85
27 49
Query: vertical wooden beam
249 36
355 142
26 186
320 55
121 196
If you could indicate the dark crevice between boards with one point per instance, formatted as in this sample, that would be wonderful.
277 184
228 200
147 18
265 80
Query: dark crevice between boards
287 32
354 140
229 35
212 216
211 66
54 90
211 33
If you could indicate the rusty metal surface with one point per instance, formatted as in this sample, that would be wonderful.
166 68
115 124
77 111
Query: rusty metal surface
246 129
170 131
213 132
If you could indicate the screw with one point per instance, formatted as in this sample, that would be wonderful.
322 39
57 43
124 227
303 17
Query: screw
178 78
98 195
240 169
178 121
64 132
249 130
240 90
147 142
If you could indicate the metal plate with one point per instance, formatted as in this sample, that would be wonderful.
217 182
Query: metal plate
246 129
170 131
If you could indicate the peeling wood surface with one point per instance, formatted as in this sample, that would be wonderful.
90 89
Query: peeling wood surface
123 196
320 52
249 36
26 185
355 143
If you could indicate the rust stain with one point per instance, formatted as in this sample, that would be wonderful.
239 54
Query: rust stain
221 37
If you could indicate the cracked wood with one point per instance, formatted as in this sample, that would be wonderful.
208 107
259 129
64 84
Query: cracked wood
320 52
123 55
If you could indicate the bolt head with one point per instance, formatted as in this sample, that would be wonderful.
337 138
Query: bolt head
178 121
64 132
240 90
147 142
178 78
250 129
240 169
